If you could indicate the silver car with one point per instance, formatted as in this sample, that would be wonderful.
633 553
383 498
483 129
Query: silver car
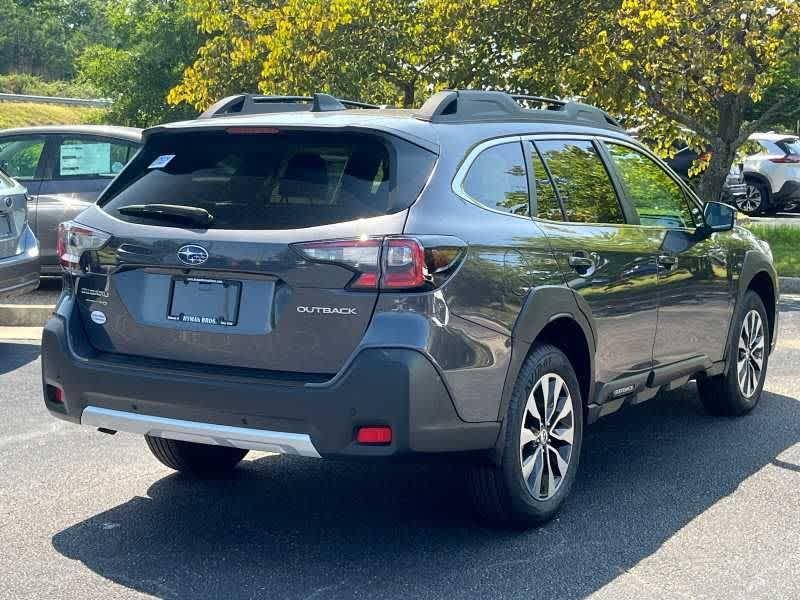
19 250
64 169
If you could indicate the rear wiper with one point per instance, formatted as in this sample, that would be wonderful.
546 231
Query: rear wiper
170 212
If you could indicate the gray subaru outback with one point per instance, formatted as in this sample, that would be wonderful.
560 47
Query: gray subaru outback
478 280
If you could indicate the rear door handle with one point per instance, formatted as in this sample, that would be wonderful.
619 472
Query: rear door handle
581 262
667 260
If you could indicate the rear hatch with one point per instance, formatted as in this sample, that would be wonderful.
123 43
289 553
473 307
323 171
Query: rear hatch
13 216
210 252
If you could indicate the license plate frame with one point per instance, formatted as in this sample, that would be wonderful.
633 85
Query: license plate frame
204 301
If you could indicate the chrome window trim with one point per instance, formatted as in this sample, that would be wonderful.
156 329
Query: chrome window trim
457 185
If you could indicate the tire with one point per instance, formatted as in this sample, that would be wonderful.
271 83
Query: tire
729 394
756 201
196 459
500 492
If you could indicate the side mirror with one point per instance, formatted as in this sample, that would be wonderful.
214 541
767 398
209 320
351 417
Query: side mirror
719 217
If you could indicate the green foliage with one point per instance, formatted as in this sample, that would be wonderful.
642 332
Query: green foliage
691 69
784 241
386 51
23 83
154 40
44 37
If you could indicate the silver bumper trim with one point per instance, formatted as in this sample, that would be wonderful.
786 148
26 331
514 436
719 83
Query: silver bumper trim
200 433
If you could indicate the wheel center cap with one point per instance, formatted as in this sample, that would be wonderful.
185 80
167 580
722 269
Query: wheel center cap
543 437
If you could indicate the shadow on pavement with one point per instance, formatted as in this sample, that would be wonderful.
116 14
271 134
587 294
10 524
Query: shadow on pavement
293 528
13 356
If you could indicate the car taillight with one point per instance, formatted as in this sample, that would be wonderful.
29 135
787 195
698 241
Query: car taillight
790 159
73 240
391 263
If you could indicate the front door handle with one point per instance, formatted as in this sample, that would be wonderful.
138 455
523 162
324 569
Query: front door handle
667 260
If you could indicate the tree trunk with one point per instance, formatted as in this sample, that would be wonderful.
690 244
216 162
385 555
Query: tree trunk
408 95
713 179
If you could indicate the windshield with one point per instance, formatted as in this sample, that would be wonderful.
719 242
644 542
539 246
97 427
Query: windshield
274 180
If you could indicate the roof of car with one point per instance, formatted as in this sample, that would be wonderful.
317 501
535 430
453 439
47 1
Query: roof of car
127 133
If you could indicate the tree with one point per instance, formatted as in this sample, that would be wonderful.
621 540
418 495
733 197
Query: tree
44 37
386 51
695 69
153 42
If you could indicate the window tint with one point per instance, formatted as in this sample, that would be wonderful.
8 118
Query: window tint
19 157
545 204
582 181
273 181
498 179
91 157
657 198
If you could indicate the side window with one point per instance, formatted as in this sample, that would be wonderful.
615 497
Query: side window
91 157
498 179
19 157
545 201
656 196
585 188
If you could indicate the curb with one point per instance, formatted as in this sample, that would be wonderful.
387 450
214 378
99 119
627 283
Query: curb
20 334
24 315
789 285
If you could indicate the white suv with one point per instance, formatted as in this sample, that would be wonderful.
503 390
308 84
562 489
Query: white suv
772 175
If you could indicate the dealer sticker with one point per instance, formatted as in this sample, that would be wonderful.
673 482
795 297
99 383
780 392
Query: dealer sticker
98 317
161 162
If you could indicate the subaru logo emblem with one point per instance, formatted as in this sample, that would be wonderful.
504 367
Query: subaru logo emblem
192 255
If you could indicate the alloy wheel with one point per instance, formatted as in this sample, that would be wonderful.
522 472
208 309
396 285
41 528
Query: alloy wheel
750 354
546 439
751 200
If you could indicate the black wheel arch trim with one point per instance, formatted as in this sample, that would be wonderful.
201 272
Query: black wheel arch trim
543 306
753 264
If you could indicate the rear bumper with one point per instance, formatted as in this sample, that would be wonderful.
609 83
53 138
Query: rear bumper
20 274
398 387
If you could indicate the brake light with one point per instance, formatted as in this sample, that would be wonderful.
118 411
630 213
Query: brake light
73 240
790 159
391 263
404 266
374 435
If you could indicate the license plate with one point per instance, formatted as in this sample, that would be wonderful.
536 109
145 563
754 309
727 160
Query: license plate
205 301
5 226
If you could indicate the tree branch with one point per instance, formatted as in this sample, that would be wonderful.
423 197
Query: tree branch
764 118
656 101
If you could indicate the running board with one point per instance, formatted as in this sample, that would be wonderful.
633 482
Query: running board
201 433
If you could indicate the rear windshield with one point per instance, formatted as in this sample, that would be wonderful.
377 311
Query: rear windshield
283 180
789 145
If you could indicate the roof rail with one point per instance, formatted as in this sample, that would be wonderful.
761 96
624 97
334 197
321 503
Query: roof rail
253 104
459 106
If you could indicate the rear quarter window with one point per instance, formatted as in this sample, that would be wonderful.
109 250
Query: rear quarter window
284 180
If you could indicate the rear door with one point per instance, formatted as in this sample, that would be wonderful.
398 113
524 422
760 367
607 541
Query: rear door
282 279
79 167
605 256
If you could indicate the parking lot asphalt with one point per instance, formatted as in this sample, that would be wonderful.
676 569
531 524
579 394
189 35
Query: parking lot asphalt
670 503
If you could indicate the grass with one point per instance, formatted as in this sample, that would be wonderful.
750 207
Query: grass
25 114
785 243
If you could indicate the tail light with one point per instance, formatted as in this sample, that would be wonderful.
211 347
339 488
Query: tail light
74 240
392 263
789 159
